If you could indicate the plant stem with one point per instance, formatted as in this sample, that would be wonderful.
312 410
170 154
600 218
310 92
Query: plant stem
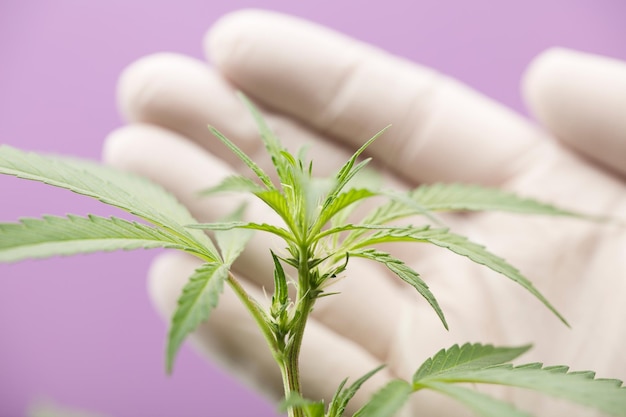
257 313
290 360
286 354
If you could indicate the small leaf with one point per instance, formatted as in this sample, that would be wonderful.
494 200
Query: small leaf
280 299
310 408
199 297
278 154
469 356
347 171
406 274
352 174
387 401
343 396
483 405
340 202
265 179
51 236
277 202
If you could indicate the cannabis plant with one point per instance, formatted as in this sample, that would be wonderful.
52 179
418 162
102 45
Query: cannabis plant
321 232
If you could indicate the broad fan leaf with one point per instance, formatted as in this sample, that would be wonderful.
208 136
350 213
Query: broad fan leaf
457 197
482 404
606 395
199 297
386 401
405 273
479 254
461 197
462 246
467 357
124 190
52 235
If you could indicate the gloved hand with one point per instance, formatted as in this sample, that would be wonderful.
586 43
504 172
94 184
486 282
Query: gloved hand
316 86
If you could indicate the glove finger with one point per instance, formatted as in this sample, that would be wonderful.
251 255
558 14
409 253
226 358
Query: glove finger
442 130
581 98
184 95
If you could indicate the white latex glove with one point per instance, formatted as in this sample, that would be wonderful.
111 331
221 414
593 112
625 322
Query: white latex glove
319 87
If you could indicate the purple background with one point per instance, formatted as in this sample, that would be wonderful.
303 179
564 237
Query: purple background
81 331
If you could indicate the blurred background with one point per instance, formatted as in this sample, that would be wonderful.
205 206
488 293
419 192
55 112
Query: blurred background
81 332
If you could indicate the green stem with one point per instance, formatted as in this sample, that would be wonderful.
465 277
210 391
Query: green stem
257 313
287 356
290 360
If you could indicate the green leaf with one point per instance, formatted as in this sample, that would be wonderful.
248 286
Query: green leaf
346 174
467 357
263 227
265 179
387 401
477 253
343 396
199 297
51 236
277 202
412 206
315 409
129 192
457 197
483 405
280 299
348 170
310 408
406 274
314 191
606 395
233 241
475 363
340 202
462 246
365 241
234 183
460 197
281 159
